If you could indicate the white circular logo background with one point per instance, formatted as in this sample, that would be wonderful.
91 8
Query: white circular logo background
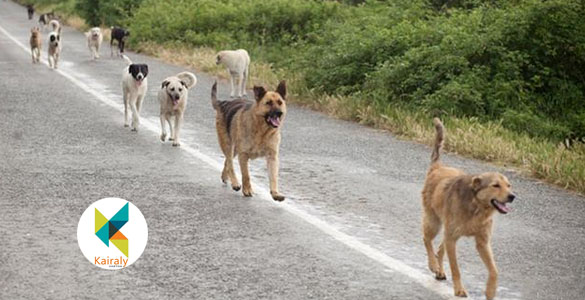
112 233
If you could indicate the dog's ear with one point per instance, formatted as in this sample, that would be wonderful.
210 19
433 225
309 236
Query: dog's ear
165 84
476 183
281 89
259 92
184 84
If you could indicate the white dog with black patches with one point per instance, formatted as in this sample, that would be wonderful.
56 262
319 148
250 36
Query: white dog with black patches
54 49
94 41
134 88
237 63
173 97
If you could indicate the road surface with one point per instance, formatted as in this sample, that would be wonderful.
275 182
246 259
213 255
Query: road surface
349 228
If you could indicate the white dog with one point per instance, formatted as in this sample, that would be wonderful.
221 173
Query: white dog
94 41
237 63
173 97
54 49
134 87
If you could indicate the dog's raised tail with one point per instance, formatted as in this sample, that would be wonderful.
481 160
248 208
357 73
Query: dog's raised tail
439 137
127 59
214 101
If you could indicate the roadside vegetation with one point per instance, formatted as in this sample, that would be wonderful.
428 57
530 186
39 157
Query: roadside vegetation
507 77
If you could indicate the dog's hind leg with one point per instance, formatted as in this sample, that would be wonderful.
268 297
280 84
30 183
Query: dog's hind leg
450 246
241 82
126 104
272 161
431 227
135 116
246 185
244 81
484 248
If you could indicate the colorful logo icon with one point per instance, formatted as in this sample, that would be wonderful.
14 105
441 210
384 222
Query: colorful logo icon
112 233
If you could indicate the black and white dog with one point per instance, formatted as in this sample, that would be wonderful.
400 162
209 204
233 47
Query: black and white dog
119 35
44 20
134 88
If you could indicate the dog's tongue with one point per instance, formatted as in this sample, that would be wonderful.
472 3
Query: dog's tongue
274 121
138 82
175 103
502 206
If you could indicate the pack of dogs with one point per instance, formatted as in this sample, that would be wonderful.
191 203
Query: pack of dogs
456 203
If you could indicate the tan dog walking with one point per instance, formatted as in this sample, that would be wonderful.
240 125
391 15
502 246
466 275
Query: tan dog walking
35 44
464 206
251 129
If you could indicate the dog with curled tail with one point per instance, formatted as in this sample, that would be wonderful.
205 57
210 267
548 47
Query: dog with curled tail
462 205
237 63
54 49
173 97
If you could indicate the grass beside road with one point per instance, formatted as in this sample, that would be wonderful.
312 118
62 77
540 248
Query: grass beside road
488 141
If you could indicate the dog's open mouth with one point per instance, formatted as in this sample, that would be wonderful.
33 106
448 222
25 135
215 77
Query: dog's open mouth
175 103
500 207
273 118
139 82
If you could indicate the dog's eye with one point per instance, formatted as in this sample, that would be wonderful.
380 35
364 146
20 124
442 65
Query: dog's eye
180 89
279 102
269 103
172 89
497 185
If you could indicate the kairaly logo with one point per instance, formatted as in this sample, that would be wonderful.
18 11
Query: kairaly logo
112 233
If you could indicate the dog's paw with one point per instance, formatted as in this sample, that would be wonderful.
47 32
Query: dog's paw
163 137
134 129
171 139
176 144
440 276
236 187
247 192
461 292
126 125
276 196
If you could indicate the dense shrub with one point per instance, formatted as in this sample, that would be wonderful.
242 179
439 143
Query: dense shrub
107 12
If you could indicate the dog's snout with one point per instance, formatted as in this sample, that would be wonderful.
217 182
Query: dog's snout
511 197
139 76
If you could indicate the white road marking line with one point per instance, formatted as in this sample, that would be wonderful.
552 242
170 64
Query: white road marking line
426 280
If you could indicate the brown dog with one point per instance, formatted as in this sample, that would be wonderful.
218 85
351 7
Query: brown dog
250 129
35 44
464 205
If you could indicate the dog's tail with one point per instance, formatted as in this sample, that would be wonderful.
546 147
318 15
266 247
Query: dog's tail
439 137
214 101
127 59
187 78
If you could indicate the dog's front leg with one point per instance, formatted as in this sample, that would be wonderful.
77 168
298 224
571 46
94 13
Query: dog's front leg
135 117
247 186
233 94
272 161
163 128
452 254
178 124
126 123
483 246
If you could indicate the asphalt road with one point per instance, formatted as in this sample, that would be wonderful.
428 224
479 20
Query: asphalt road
349 228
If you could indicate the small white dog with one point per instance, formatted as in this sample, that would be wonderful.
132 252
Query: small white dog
134 87
173 97
54 49
94 42
237 63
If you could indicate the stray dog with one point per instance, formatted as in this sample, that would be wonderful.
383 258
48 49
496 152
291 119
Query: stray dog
464 205
35 44
173 97
44 19
134 87
94 41
237 63
54 49
250 129
120 35
31 11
